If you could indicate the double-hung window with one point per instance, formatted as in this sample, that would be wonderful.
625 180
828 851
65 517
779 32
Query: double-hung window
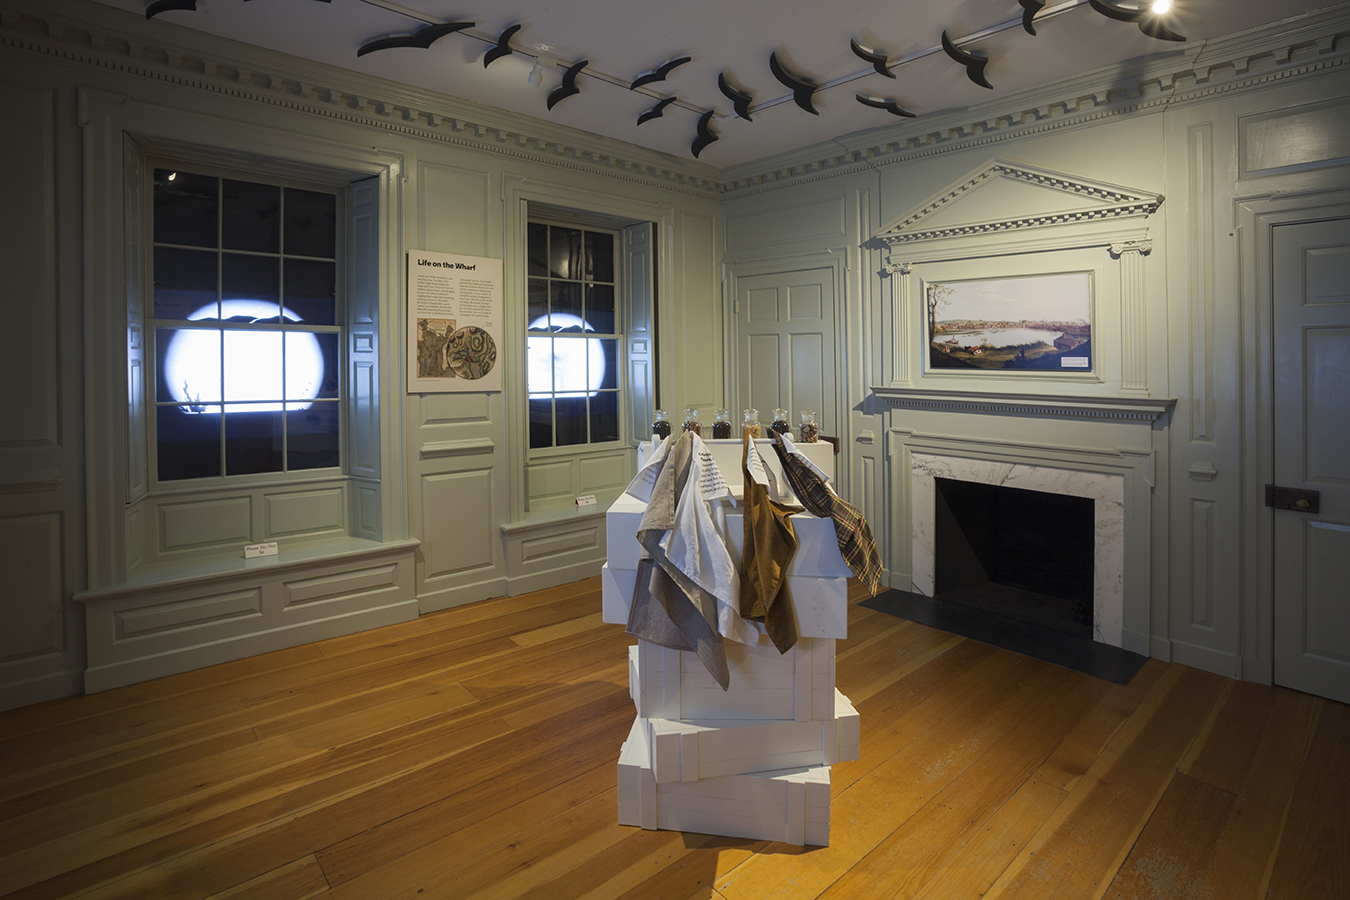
575 334
246 318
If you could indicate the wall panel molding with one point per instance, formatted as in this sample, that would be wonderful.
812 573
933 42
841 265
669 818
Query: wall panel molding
1200 250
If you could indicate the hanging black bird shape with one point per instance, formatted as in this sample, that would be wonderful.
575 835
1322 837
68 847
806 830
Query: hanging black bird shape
1029 10
801 88
974 64
740 100
1149 23
705 134
878 60
656 111
891 106
421 38
659 73
160 6
568 86
503 47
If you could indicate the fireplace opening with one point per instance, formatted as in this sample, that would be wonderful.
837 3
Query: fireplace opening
1027 555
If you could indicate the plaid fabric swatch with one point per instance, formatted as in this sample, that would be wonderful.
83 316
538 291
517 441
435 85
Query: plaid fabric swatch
851 530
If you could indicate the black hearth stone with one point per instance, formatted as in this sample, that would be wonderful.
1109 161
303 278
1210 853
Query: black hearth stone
1077 653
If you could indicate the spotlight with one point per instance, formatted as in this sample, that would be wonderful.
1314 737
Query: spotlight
1161 6
536 74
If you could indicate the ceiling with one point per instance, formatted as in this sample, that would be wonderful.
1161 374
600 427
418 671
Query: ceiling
623 39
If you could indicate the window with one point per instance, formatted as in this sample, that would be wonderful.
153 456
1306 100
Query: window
246 322
574 333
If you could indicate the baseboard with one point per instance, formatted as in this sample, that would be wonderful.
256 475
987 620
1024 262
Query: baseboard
1205 658
1160 648
185 659
461 595
1253 668
537 581
51 686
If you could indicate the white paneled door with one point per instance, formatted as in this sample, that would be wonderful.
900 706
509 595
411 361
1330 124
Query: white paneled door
786 344
1312 453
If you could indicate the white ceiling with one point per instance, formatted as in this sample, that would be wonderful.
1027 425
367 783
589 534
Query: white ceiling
623 39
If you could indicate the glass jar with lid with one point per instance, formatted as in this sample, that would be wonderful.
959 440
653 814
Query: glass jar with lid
721 424
780 421
691 422
661 424
750 424
808 432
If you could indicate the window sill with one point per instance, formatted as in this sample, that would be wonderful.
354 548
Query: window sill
222 568
554 515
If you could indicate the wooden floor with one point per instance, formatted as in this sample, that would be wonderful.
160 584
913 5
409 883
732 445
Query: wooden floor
472 754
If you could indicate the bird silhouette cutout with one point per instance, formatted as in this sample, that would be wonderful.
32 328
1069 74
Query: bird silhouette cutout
878 60
801 88
740 100
1029 10
656 111
503 47
422 38
974 64
659 73
1149 23
160 6
705 134
891 106
568 86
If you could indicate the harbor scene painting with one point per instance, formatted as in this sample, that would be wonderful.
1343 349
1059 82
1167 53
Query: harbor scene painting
1034 323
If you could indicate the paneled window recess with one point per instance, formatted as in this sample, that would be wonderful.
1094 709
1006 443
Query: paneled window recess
545 518
203 570
1057 405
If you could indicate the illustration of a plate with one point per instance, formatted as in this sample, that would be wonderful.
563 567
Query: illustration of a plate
471 352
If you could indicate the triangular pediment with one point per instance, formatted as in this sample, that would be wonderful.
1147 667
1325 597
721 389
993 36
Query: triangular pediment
1009 196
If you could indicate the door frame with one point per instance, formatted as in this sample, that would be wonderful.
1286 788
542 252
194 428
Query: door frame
834 259
1255 218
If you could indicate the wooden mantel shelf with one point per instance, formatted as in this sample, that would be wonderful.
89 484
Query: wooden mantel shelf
1077 406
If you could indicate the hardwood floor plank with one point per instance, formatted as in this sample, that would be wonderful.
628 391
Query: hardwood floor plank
1173 853
1313 862
294 881
692 872
868 811
924 844
1084 843
1246 853
1224 756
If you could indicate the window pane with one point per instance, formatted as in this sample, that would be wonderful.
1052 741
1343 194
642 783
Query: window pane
250 288
541 422
565 253
188 367
599 256
605 417
253 441
326 377
312 437
536 317
608 376
311 224
571 420
571 371
539 361
253 369
250 216
600 308
185 282
185 208
537 250
188 443
311 291
566 303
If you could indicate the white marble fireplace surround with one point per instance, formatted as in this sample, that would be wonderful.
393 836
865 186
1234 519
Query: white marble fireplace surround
1108 514
1099 447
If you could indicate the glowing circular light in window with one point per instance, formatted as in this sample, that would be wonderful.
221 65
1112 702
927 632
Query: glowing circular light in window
565 367
254 380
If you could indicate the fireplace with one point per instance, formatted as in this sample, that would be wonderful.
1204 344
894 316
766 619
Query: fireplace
1104 492
1027 555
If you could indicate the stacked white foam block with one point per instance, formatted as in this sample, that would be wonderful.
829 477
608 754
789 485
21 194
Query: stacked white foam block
752 761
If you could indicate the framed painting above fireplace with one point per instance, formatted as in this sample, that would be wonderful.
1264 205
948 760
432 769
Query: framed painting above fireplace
1024 324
